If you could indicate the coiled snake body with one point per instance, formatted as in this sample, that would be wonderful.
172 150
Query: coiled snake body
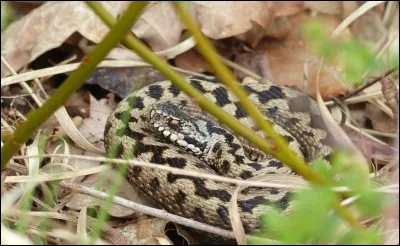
167 128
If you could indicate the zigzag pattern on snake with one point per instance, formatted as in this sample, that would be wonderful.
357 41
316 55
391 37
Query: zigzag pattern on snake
167 128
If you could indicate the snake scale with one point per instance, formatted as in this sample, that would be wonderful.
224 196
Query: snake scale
166 127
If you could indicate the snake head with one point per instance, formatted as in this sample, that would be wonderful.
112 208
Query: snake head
193 133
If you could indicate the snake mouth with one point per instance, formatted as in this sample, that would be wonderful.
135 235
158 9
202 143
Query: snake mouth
173 129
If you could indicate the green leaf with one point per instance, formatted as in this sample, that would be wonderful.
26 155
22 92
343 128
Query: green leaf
349 172
360 237
323 168
7 15
355 58
311 212
318 38
371 203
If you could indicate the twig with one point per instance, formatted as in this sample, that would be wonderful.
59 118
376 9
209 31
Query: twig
147 210
366 85
173 170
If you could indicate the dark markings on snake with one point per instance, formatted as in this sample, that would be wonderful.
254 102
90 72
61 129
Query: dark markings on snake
119 115
246 227
293 121
107 128
199 213
300 104
272 111
135 102
133 119
157 151
233 149
246 191
273 191
136 171
201 164
218 154
198 85
289 138
248 205
276 164
173 177
196 143
223 213
274 92
132 134
180 197
201 78
317 122
201 189
221 94
216 148
225 166
246 175
239 113
327 157
255 165
174 90
155 91
176 162
155 184
212 129
181 152
143 118
307 133
184 103
125 115
284 202
228 137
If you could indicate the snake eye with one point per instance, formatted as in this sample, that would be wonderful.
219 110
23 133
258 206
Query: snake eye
174 124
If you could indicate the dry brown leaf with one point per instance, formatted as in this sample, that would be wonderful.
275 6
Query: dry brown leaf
125 191
123 80
279 28
92 128
225 19
48 26
369 27
325 7
369 147
193 61
289 58
256 62
286 8
159 26
77 105
380 121
148 231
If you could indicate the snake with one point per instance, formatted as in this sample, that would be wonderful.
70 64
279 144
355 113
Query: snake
163 125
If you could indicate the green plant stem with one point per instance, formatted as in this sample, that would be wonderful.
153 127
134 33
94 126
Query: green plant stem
72 83
134 44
